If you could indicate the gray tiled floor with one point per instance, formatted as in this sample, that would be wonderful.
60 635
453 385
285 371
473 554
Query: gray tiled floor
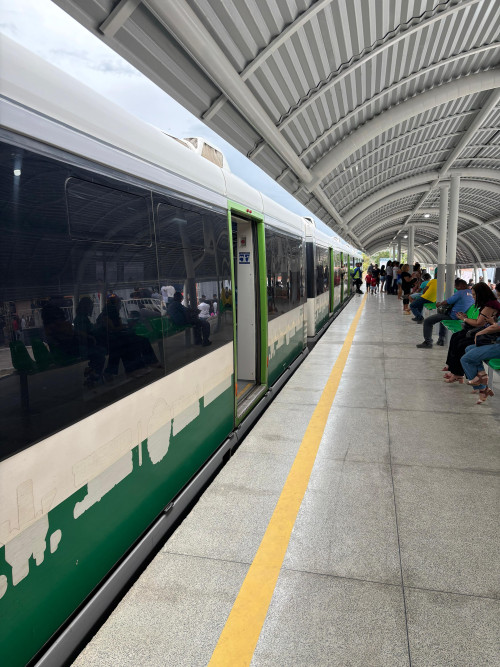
392 559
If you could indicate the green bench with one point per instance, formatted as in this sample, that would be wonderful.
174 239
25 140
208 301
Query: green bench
456 325
494 364
430 306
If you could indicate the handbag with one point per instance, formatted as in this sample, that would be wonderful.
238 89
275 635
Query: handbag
486 339
444 309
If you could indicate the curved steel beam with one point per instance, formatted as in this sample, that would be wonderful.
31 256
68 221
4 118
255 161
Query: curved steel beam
406 187
373 54
402 214
390 231
447 92
182 22
388 91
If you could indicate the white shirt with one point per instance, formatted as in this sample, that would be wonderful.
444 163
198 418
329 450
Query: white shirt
204 309
167 292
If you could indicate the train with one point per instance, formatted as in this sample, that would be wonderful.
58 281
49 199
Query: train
113 412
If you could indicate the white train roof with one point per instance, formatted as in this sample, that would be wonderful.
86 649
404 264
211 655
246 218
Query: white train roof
28 80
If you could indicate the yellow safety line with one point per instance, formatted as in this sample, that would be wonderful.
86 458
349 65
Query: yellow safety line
239 637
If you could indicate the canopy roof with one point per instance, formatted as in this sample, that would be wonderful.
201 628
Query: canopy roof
361 109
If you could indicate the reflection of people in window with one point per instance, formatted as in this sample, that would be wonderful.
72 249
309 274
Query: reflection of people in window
182 316
134 351
61 337
87 336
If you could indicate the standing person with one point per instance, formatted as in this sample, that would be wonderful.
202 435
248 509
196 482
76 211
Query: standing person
395 276
383 276
376 275
357 275
388 277
407 283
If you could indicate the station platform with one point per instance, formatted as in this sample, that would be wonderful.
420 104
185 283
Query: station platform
381 549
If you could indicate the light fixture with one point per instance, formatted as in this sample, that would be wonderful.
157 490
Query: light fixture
17 172
405 236
427 215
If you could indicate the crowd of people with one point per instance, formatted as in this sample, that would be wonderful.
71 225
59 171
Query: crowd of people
477 306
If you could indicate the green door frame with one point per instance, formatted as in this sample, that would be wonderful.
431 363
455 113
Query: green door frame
341 277
332 279
258 219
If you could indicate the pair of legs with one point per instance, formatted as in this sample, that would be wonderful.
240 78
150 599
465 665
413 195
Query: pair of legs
406 302
358 282
417 306
472 361
388 284
201 332
429 323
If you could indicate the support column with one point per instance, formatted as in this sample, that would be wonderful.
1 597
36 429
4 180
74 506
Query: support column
399 248
443 225
451 248
411 246
476 274
393 252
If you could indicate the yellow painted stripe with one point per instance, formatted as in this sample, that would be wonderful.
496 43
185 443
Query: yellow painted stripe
239 637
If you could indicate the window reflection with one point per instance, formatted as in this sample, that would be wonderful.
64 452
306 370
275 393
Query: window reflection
322 270
89 266
285 272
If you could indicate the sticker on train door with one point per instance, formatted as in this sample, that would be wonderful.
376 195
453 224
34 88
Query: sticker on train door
244 258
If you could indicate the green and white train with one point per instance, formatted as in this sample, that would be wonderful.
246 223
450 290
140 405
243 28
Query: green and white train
111 416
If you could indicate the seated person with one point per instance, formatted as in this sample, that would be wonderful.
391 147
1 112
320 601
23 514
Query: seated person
472 361
428 296
461 301
425 281
489 309
204 309
182 316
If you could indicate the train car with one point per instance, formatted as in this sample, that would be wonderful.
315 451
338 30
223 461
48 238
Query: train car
326 275
149 301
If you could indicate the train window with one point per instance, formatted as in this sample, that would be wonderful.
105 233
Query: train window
108 214
322 270
285 272
82 309
194 280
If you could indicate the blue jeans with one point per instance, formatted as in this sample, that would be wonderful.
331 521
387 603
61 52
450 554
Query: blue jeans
417 305
472 361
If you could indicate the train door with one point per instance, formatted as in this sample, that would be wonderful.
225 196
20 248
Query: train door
250 310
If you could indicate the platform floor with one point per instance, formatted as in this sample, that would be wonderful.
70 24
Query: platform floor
393 558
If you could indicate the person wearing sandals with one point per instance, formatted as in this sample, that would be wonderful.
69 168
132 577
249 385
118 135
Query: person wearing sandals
472 361
489 307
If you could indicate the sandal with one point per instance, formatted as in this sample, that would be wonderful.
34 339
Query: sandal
479 379
454 378
483 395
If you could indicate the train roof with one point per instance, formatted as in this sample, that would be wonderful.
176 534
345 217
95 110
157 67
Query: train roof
30 81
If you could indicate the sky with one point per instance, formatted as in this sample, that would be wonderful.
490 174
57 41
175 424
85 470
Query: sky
45 29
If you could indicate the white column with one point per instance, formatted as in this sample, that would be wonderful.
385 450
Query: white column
443 225
411 246
451 247
399 248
